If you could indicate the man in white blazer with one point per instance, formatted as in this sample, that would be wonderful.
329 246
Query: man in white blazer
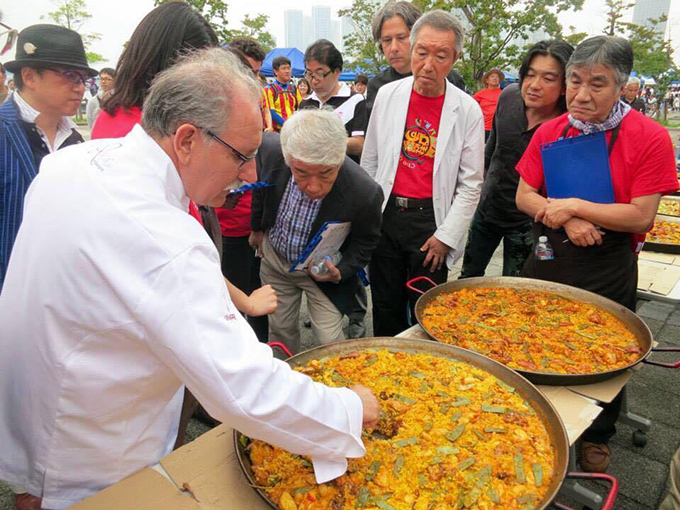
425 147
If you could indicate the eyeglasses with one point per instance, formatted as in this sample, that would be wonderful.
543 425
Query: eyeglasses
244 159
318 76
74 77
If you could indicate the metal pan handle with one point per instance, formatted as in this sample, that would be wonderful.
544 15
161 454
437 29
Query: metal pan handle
611 496
282 347
409 284
661 364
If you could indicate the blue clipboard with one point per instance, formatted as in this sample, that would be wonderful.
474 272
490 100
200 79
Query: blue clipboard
578 167
312 245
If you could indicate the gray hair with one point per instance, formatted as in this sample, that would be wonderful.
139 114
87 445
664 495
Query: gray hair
406 10
633 80
441 20
615 53
198 89
316 137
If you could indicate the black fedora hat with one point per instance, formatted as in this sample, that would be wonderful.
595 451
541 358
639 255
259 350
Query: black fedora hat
44 46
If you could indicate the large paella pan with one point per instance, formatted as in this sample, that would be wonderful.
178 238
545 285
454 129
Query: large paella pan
433 467
560 335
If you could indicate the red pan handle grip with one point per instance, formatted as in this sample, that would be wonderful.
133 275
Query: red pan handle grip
661 364
611 496
282 347
409 284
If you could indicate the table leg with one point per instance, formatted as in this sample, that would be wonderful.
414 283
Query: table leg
574 490
638 422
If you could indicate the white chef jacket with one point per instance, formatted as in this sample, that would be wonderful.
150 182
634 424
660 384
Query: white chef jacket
113 298
458 162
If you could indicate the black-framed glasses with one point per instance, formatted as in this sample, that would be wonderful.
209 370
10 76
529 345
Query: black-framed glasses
319 76
75 77
244 159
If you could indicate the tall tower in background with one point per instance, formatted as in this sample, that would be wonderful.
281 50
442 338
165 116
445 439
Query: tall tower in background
321 19
646 9
294 29
307 32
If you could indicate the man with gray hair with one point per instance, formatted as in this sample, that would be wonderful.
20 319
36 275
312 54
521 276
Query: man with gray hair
425 147
631 97
132 304
391 29
595 242
315 183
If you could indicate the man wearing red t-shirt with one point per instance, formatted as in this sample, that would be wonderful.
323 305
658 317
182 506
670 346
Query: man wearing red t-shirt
424 146
488 97
595 244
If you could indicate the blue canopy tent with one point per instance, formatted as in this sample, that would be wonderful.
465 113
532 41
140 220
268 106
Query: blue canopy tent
349 73
297 61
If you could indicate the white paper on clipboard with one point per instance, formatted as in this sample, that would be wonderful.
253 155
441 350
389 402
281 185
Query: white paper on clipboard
329 239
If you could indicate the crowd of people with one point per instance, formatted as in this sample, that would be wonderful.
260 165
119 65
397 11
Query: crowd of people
140 283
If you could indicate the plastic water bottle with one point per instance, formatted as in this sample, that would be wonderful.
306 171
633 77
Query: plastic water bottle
544 251
319 266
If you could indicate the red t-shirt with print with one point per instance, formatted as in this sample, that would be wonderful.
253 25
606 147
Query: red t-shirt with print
642 161
418 147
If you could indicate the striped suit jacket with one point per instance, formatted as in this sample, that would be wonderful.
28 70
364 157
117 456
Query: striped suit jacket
17 171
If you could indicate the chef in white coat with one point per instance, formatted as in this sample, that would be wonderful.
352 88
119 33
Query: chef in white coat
114 299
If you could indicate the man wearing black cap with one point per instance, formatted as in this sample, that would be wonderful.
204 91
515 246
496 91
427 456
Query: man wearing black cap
50 74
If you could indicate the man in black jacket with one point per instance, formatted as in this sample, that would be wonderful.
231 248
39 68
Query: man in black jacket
391 29
314 183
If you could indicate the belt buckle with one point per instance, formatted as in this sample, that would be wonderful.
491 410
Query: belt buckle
402 202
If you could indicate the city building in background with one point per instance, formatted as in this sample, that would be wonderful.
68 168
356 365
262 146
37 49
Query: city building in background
302 30
294 29
651 9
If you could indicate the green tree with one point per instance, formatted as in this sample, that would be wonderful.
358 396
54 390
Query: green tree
496 32
653 54
73 14
360 48
574 38
615 12
255 28
214 11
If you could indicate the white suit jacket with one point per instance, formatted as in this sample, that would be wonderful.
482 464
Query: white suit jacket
458 163
113 298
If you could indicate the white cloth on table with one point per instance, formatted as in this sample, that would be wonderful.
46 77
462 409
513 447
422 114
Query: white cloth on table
113 299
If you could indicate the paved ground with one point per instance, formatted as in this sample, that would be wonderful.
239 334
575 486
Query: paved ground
655 394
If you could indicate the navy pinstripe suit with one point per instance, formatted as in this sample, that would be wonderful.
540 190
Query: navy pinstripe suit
17 170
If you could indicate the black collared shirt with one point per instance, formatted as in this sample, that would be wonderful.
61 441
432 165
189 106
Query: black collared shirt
507 142
638 104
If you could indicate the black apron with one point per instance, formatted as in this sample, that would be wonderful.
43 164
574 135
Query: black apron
609 269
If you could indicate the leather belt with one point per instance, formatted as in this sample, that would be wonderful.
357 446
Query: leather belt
409 203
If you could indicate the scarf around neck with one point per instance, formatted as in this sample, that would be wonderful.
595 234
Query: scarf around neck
619 111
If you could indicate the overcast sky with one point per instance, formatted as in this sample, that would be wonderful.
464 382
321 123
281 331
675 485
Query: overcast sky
115 20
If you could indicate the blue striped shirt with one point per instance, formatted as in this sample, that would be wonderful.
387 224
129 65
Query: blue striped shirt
294 221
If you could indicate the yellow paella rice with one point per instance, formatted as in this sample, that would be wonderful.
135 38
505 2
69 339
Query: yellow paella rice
531 330
450 436
664 232
670 207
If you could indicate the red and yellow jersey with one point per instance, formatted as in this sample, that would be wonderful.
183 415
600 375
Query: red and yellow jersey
283 101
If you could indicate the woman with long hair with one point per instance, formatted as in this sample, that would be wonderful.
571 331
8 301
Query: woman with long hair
162 35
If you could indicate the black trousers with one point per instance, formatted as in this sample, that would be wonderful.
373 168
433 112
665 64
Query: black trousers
396 260
483 239
242 268
609 270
